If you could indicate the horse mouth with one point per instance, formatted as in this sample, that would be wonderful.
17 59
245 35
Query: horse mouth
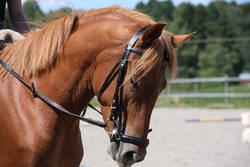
124 154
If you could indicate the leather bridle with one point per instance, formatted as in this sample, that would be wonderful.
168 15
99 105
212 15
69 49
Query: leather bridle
116 114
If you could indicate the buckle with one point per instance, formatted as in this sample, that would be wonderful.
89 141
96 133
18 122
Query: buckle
110 124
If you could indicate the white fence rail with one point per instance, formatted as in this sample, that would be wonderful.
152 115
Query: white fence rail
195 82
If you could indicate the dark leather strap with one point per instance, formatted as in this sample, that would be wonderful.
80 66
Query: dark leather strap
129 48
2 12
116 114
91 106
139 141
111 76
47 100
118 94
136 51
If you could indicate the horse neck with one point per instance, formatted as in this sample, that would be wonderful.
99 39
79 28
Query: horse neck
69 82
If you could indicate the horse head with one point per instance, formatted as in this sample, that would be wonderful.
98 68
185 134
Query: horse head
128 94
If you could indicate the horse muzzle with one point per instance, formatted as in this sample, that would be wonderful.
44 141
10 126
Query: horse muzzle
126 154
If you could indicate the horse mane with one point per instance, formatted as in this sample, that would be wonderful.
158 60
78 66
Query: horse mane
40 50
135 15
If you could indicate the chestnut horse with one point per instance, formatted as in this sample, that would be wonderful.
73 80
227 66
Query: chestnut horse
68 60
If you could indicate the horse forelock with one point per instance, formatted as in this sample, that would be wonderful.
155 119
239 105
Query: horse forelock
153 58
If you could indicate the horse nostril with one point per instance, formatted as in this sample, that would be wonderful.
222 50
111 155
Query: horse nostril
136 157
131 156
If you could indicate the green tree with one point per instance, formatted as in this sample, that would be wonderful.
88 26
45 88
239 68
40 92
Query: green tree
187 61
189 18
159 10
219 19
7 22
52 15
33 13
216 60
223 19
245 32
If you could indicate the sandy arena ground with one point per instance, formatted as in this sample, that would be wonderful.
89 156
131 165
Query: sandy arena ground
176 143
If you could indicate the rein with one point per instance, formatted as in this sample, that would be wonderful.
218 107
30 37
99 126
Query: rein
119 70
47 100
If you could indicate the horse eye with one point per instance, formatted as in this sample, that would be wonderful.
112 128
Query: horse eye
134 85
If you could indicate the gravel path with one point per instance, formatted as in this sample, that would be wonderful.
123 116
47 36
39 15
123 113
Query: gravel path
176 143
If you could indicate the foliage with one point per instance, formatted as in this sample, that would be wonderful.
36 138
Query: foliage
228 22
216 60
218 20
203 102
32 11
155 9
240 102
52 15
36 17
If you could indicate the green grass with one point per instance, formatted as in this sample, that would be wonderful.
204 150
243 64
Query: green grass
204 102
207 102
212 87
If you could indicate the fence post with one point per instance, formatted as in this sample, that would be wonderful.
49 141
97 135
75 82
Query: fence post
226 90
196 90
168 87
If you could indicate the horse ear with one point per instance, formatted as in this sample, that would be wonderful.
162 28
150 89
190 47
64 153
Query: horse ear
152 33
178 40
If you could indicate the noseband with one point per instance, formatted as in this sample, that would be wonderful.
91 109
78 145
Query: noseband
116 114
